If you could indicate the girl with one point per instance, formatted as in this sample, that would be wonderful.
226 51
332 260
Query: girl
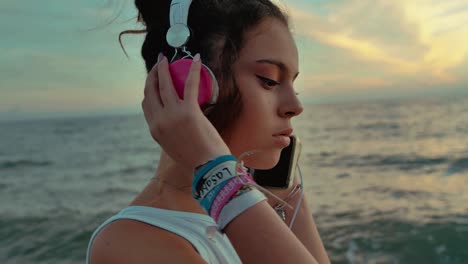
250 50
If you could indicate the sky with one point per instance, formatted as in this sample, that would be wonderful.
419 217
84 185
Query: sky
63 57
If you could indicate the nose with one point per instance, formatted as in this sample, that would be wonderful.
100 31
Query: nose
290 105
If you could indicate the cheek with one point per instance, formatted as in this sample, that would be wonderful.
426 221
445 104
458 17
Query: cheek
249 125
257 108
251 98
254 112
260 107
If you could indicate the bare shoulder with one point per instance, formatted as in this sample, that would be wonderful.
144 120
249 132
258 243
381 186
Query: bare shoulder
129 241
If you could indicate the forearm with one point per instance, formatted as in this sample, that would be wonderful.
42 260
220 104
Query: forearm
306 231
260 236
304 225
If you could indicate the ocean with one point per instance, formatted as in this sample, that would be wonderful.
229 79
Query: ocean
387 181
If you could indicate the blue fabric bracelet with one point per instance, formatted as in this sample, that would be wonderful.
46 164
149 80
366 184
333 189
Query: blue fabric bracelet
198 177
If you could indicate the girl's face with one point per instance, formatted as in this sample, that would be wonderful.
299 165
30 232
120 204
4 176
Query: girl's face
265 72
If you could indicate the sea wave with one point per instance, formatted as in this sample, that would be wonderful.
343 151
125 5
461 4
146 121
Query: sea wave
401 161
46 239
397 241
398 193
130 170
14 164
379 126
457 166
137 169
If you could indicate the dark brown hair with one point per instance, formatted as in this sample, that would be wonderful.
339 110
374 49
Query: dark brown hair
218 29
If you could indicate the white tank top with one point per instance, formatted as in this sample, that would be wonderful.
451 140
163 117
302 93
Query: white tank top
200 230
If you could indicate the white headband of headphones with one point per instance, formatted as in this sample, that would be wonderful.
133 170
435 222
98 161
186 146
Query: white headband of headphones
179 33
179 11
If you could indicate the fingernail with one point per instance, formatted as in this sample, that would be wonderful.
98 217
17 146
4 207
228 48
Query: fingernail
160 56
197 57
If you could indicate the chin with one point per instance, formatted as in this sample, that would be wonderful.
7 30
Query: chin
264 161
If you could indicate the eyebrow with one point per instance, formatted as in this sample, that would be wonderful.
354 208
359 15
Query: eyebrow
277 63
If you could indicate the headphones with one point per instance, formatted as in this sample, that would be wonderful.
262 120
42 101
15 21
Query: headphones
177 36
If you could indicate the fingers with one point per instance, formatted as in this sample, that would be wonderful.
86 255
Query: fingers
166 87
151 88
159 88
193 80
152 103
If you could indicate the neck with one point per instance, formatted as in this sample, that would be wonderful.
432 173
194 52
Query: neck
170 188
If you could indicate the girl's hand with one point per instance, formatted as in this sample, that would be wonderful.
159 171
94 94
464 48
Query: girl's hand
179 125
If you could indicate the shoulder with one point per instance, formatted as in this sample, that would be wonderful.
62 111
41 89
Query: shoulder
129 241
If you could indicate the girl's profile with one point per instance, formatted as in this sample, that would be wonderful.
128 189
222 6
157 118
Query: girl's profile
202 205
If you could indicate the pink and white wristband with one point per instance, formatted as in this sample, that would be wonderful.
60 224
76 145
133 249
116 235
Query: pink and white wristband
238 205
223 196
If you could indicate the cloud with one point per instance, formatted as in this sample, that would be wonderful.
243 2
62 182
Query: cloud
444 31
420 41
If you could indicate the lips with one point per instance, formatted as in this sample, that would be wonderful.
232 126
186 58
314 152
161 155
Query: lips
286 132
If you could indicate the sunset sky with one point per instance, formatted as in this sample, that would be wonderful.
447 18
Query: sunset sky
62 57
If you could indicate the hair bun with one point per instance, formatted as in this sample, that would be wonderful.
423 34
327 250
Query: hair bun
155 14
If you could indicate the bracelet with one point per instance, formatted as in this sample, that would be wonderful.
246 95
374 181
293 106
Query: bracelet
214 178
211 174
229 192
208 200
238 205
224 189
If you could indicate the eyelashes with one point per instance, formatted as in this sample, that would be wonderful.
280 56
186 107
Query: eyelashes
268 82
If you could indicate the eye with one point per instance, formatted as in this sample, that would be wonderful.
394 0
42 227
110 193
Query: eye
270 83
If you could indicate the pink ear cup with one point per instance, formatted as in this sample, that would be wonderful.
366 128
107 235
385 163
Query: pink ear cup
179 70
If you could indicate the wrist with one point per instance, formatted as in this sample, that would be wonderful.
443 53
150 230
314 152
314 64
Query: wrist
223 189
209 155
